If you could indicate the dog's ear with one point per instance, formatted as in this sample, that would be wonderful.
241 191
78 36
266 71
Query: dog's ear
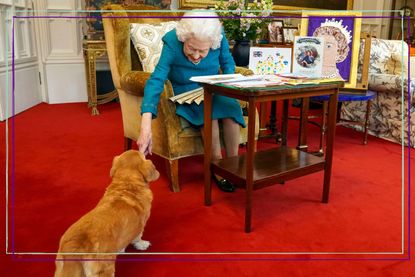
149 171
114 165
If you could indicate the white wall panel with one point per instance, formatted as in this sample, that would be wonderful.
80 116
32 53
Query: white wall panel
60 5
20 3
66 83
62 63
20 39
63 37
375 26
26 91
8 29
26 71
2 35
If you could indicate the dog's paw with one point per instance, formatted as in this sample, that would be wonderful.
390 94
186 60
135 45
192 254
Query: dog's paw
122 250
141 245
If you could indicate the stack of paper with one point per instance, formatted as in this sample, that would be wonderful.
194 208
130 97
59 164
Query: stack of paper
308 81
224 78
189 97
265 81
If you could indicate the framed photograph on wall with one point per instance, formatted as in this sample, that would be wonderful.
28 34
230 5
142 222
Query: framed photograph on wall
275 31
289 34
343 28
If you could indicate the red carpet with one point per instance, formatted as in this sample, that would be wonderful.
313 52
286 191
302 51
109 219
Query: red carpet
62 161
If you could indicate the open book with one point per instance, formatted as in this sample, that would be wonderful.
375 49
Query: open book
189 97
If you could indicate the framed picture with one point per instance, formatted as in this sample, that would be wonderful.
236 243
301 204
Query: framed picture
94 28
344 27
270 60
289 34
406 11
313 4
275 31
281 4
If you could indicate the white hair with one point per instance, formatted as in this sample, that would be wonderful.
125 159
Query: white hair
203 25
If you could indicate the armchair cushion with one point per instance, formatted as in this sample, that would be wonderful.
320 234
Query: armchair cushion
147 42
386 57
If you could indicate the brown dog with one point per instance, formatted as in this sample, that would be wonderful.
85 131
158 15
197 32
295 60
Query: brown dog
117 220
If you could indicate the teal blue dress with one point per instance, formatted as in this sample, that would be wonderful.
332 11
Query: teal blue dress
174 66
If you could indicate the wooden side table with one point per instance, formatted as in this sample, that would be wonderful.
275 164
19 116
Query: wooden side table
92 50
272 117
255 170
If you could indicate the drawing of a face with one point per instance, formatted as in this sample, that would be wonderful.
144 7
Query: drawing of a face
330 50
333 32
330 54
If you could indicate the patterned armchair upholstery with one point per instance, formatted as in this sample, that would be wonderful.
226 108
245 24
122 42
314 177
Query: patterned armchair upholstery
388 72
172 139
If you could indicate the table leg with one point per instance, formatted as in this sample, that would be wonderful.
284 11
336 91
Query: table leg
250 165
368 107
273 118
284 125
262 119
331 129
91 81
302 136
323 127
88 77
272 125
207 145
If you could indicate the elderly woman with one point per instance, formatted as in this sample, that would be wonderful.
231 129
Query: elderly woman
196 47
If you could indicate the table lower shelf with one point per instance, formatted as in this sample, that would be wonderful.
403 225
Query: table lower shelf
270 166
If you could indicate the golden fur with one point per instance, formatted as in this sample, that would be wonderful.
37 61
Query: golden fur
117 220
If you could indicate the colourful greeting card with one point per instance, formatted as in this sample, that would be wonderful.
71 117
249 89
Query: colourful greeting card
270 60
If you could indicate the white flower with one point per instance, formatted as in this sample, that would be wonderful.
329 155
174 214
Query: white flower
265 13
243 20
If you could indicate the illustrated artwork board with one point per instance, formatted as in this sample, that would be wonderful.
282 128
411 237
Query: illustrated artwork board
270 60
308 56
342 31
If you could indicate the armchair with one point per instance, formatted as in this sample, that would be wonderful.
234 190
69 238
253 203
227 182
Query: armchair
388 73
172 140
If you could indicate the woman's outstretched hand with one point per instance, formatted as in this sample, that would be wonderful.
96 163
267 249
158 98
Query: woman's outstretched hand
145 140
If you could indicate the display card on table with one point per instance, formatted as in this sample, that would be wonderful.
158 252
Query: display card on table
308 56
270 60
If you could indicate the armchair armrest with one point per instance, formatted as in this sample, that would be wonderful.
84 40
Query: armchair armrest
133 82
244 71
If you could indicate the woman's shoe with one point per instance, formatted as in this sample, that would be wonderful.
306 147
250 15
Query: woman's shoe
223 184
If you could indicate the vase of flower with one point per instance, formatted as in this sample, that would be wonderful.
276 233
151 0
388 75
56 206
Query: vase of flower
240 52
243 22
